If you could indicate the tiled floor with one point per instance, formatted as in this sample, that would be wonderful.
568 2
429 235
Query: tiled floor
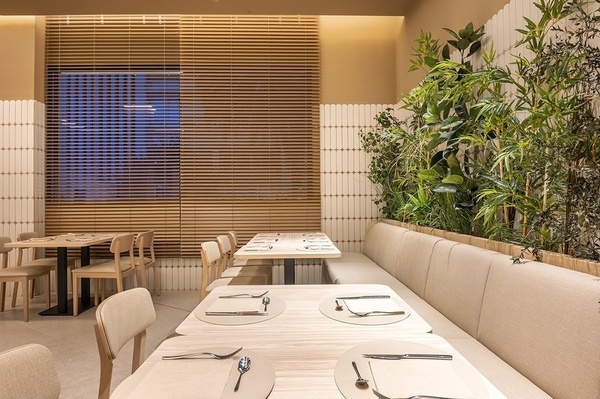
73 344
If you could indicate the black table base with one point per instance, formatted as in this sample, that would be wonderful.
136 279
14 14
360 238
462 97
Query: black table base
53 311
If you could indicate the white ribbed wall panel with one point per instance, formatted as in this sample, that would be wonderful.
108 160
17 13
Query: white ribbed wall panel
22 145
346 191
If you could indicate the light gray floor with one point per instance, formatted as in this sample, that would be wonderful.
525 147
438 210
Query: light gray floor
73 344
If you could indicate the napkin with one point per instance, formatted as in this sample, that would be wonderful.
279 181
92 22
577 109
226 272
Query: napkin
404 378
246 305
372 304
258 247
182 379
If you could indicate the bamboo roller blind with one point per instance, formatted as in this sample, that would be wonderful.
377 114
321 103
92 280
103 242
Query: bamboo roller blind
188 125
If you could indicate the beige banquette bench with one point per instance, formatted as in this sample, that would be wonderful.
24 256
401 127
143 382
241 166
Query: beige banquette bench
532 329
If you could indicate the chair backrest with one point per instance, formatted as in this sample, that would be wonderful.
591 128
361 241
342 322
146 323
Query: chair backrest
211 258
226 253
145 241
28 372
120 244
26 235
4 250
120 318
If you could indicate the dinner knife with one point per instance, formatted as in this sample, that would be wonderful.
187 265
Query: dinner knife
363 297
233 313
383 356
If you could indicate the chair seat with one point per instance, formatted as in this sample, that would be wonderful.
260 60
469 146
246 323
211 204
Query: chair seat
147 261
252 262
23 271
231 272
218 283
48 262
104 267
248 271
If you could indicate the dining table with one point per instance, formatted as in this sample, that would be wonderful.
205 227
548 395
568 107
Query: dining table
62 243
289 247
297 349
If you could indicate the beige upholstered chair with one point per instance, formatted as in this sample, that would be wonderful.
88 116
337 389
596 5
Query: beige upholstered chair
23 275
33 260
145 260
117 268
28 372
120 318
263 272
211 264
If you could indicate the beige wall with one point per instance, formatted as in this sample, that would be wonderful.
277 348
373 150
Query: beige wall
358 59
21 66
432 16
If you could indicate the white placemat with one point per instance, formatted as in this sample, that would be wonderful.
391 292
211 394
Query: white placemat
328 308
274 309
461 376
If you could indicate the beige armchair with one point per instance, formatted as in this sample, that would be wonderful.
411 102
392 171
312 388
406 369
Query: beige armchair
120 318
146 259
24 275
118 268
28 372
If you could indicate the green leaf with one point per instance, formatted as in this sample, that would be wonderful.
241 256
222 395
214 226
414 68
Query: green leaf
463 33
463 44
451 122
430 61
427 175
446 52
453 179
434 142
474 48
454 34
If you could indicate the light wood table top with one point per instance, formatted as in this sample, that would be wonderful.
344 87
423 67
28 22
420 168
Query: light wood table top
301 344
288 245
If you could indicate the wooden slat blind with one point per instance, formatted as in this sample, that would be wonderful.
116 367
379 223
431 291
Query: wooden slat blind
188 125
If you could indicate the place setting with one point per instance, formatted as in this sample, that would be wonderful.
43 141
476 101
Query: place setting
239 309
210 372
388 369
365 309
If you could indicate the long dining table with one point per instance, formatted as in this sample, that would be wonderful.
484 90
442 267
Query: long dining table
289 247
62 243
304 347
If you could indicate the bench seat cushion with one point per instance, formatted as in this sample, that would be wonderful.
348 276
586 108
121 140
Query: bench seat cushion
504 377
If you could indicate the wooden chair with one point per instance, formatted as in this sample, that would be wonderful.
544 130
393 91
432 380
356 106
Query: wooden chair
24 275
28 372
33 260
233 241
116 268
145 242
120 318
211 264
263 273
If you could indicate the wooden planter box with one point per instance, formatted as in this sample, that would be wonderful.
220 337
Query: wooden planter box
552 258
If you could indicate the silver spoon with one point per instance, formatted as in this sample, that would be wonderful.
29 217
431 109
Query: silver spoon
360 382
338 307
265 301
243 366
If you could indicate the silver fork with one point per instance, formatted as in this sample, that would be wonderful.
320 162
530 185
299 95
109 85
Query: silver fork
245 295
363 314
382 396
196 354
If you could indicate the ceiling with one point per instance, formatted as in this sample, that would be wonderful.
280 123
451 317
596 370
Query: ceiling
258 7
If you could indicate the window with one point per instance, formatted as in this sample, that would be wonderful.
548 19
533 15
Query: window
188 125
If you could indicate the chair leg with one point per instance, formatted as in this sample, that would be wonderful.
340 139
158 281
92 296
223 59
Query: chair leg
75 280
2 296
96 289
119 285
13 302
25 301
144 277
32 285
135 280
156 280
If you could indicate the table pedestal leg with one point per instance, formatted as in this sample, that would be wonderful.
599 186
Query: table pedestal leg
61 280
289 271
